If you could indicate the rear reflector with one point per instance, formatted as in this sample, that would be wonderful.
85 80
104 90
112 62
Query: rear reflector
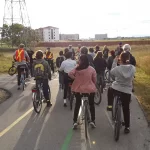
34 90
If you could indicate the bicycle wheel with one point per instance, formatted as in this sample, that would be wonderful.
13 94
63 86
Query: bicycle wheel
37 102
106 75
98 96
86 120
12 70
117 123
114 108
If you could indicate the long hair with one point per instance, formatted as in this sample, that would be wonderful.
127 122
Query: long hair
125 57
84 62
99 55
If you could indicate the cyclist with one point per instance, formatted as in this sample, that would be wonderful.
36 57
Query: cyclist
100 66
49 58
20 56
124 75
67 66
84 77
119 49
110 62
127 48
105 52
91 52
84 51
45 73
97 48
72 51
30 53
59 61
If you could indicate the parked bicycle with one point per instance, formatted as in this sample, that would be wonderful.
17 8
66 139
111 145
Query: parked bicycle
38 96
13 69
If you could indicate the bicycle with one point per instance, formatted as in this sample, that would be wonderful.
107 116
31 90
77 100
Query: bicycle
98 94
23 76
13 69
117 115
37 95
84 113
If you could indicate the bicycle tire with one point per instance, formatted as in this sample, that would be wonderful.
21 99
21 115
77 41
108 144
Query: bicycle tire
106 75
12 70
98 95
114 108
37 101
86 120
117 123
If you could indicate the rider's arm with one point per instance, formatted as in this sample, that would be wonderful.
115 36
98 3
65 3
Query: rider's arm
72 74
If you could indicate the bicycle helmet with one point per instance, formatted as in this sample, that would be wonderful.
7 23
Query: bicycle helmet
21 45
39 54
84 50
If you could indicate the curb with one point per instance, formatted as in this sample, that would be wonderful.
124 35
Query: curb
145 115
9 95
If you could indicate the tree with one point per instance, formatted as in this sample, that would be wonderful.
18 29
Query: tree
17 33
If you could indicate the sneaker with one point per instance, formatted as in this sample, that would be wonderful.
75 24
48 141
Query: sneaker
127 130
75 125
18 87
109 108
65 105
92 124
49 104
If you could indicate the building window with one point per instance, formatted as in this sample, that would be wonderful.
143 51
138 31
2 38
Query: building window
52 35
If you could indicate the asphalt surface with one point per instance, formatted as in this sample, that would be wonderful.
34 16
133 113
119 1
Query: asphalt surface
22 129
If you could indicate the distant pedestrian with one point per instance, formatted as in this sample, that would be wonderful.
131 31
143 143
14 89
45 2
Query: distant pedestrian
105 52
91 52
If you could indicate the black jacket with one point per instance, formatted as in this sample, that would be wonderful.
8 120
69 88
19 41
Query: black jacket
110 62
132 60
100 64
59 60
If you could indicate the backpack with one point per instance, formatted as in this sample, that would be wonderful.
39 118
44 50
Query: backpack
39 70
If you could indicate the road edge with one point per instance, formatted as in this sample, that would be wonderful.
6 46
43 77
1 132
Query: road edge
9 95
145 115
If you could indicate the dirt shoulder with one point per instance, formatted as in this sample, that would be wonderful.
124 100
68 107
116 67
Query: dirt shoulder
4 95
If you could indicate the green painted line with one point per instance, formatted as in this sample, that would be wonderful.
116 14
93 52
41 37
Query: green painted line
67 140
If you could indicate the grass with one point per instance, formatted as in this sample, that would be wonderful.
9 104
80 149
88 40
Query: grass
142 80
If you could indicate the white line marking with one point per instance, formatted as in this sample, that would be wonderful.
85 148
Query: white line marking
109 119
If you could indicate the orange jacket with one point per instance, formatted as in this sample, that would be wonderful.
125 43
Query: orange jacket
20 55
49 55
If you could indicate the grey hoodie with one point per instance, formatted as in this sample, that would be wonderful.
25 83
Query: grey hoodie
124 75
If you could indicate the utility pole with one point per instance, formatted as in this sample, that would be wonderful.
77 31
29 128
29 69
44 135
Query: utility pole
15 11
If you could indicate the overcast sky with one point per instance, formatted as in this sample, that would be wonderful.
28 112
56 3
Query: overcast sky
90 17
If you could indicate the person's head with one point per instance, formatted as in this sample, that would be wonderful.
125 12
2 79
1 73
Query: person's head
83 62
99 54
21 45
60 53
68 55
91 50
112 52
124 57
70 46
39 54
84 50
48 49
97 48
127 47
120 44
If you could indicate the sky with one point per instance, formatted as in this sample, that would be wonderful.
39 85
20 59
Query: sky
89 17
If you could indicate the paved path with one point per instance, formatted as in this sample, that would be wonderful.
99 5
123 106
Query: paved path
22 129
